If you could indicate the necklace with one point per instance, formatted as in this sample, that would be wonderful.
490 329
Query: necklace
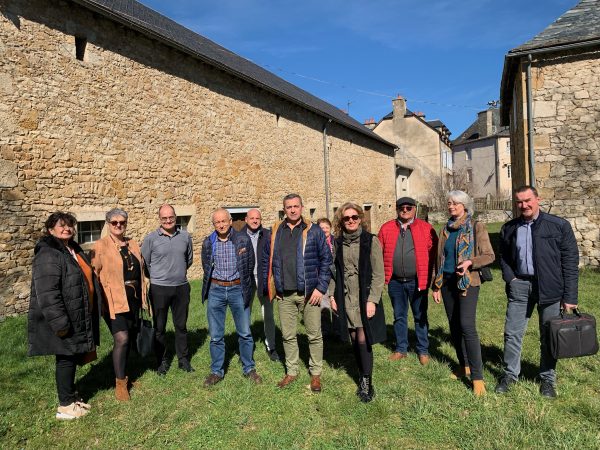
127 257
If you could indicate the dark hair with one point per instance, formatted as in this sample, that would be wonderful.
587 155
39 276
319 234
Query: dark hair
60 216
324 220
526 188
292 196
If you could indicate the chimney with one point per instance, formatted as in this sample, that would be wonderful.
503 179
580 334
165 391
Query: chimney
370 123
420 114
399 108
484 123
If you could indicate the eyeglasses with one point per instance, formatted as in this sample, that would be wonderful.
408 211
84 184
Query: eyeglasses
167 219
114 223
347 218
405 208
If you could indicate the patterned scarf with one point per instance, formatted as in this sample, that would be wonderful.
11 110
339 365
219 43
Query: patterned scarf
464 250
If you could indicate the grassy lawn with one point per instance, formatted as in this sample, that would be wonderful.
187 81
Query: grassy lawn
415 407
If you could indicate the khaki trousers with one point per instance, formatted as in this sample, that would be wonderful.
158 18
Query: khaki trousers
290 307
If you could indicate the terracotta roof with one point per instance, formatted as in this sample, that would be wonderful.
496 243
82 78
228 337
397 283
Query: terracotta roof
139 17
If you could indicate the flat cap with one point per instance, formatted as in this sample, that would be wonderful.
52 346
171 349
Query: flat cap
405 201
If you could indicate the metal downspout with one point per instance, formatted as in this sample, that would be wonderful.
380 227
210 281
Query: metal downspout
530 131
326 167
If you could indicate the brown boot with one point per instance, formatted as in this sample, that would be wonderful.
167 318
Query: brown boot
121 392
478 388
461 372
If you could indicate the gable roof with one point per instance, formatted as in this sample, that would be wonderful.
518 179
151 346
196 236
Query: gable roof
139 17
436 125
576 28
473 132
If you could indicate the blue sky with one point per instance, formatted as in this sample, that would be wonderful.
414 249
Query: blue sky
445 57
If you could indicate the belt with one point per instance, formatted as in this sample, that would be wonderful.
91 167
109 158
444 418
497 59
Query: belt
225 283
526 277
403 280
132 283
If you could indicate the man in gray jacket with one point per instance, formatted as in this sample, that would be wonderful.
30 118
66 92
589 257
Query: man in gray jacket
168 254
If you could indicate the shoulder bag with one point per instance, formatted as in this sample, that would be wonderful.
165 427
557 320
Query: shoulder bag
572 335
485 273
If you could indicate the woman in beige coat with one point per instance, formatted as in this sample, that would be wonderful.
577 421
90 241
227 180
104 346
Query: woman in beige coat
117 261
464 247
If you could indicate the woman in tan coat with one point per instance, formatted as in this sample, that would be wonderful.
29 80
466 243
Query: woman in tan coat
117 261
463 248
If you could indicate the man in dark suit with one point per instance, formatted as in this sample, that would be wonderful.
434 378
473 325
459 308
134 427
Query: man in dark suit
259 237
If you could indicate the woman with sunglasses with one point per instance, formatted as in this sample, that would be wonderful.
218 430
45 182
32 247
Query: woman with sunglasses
63 309
358 287
464 247
118 262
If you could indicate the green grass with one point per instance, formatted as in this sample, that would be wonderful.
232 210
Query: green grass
415 407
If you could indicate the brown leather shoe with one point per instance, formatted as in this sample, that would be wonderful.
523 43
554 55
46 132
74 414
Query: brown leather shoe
252 375
315 383
424 359
212 379
396 356
286 380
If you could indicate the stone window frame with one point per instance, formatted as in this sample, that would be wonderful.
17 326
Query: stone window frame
90 215
188 212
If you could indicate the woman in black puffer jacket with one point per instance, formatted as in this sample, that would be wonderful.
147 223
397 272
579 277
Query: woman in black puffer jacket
64 309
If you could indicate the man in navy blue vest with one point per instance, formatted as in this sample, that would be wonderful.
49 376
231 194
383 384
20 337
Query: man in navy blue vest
539 259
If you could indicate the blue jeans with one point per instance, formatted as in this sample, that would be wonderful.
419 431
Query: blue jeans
522 298
219 297
401 294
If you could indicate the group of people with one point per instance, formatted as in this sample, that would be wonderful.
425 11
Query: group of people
305 270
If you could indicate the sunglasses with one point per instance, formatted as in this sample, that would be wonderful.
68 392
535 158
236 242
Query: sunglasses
114 223
405 208
347 218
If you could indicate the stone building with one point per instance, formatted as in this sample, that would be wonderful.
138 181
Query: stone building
481 157
424 156
549 96
106 104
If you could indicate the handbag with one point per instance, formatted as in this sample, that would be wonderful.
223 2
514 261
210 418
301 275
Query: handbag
145 337
485 273
572 335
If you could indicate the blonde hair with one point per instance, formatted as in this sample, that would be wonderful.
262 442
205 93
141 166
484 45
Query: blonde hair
338 223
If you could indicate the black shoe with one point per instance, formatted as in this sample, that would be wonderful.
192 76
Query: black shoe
547 389
273 355
366 391
163 368
504 385
185 365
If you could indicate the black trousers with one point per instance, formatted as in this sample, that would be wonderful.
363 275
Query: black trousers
462 313
178 299
65 378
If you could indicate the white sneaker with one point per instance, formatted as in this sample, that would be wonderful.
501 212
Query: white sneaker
72 411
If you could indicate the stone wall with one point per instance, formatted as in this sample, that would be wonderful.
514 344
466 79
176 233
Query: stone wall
136 124
566 112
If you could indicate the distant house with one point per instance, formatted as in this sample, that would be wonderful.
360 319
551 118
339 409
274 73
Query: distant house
550 97
423 157
481 157
107 103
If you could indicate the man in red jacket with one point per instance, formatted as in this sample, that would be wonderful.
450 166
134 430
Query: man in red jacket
409 251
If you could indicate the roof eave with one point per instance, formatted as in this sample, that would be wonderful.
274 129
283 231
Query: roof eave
172 43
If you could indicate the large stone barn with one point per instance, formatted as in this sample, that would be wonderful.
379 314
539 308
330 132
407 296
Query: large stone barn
108 103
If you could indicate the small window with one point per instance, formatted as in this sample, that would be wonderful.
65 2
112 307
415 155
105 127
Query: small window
281 214
468 154
80 44
508 147
469 175
312 213
183 222
89 231
508 171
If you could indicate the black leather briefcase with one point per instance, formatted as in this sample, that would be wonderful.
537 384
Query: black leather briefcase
572 335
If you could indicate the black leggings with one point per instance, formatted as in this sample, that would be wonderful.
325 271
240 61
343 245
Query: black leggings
65 378
461 312
363 353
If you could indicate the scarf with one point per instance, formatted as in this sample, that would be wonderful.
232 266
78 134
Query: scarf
464 250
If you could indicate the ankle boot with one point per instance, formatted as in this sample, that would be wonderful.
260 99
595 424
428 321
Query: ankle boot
461 372
121 392
366 389
478 388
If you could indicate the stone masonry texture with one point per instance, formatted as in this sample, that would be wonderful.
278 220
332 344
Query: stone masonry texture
136 124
